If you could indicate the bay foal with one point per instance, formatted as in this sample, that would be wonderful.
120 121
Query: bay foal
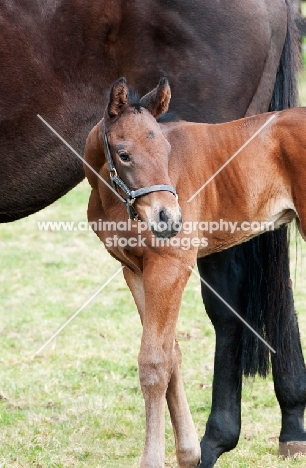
149 163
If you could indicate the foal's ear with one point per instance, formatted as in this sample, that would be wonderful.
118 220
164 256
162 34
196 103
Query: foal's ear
157 101
118 99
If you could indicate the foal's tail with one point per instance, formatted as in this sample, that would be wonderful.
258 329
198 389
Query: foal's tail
269 298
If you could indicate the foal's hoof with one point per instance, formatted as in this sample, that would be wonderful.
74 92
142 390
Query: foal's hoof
291 449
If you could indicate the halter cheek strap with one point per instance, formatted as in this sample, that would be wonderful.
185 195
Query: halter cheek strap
117 182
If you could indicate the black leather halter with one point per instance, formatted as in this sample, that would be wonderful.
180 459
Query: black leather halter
130 194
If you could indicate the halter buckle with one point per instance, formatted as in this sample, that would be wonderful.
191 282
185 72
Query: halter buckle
132 213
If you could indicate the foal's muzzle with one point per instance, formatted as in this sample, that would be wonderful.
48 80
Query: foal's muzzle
166 224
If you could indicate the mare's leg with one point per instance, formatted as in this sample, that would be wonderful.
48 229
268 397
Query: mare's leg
288 363
290 389
159 363
224 272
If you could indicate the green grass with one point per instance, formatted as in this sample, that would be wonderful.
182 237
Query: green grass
79 404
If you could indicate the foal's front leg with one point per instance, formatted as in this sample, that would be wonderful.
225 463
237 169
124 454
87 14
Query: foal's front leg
158 297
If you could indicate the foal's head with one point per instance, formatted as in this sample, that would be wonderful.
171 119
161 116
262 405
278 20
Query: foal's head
140 154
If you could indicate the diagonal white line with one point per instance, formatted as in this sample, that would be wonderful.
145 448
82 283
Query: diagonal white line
79 156
233 310
232 157
78 311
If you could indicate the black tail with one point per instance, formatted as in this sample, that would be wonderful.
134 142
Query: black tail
269 297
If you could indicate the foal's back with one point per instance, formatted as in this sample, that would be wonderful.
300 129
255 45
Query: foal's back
249 170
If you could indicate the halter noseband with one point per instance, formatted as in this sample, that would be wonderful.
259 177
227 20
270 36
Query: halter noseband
130 194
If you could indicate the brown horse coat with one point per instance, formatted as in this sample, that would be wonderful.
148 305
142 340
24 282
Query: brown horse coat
58 60
264 183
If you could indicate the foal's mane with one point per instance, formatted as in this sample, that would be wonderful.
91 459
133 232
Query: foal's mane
169 116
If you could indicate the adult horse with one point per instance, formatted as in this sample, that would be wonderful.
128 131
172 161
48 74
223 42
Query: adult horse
235 58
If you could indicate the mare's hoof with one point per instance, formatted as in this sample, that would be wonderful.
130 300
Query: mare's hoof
292 448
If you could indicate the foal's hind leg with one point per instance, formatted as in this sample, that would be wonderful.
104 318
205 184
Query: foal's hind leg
186 439
224 274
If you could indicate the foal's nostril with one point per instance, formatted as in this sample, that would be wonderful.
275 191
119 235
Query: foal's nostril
163 217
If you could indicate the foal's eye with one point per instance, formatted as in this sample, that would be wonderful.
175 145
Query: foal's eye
124 156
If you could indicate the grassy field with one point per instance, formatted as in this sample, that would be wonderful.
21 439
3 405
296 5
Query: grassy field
79 403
